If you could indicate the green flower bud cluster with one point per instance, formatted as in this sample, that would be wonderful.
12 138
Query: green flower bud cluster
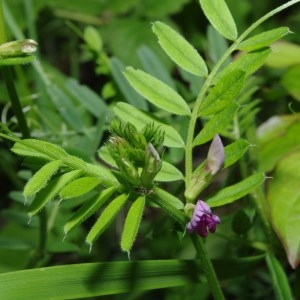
137 154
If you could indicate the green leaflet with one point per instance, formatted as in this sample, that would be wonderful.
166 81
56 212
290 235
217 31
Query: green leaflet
236 191
74 281
88 209
179 50
248 62
216 124
140 119
38 148
157 92
168 173
41 177
93 38
223 93
235 151
107 216
263 39
218 14
279 278
79 187
50 191
132 223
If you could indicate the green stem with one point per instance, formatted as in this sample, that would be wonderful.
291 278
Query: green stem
15 102
207 268
3 37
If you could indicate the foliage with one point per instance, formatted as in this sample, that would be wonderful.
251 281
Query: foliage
118 140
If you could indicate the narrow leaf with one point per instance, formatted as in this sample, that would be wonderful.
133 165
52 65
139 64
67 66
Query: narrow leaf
38 148
132 223
157 92
263 39
41 177
107 216
88 209
279 279
111 278
223 93
50 191
236 191
140 119
168 173
79 187
179 50
216 124
235 151
248 62
132 97
218 14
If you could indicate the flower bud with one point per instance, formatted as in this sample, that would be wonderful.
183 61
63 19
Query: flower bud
215 156
18 48
129 171
152 166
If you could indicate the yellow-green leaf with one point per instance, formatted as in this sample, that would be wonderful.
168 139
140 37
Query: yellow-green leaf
132 223
179 50
107 216
218 14
263 39
79 187
157 92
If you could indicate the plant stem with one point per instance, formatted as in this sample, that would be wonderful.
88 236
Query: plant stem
2 26
15 102
208 268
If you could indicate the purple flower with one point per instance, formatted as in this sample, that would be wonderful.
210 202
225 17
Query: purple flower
202 220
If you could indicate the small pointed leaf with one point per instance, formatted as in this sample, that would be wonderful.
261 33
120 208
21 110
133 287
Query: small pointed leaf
216 124
50 191
107 216
41 177
236 191
132 223
235 151
218 14
223 93
263 39
79 187
88 209
248 62
179 50
157 92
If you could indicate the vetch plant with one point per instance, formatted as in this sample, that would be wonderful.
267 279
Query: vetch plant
136 152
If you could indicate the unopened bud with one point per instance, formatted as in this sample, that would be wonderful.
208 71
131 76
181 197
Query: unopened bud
152 166
18 48
215 156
